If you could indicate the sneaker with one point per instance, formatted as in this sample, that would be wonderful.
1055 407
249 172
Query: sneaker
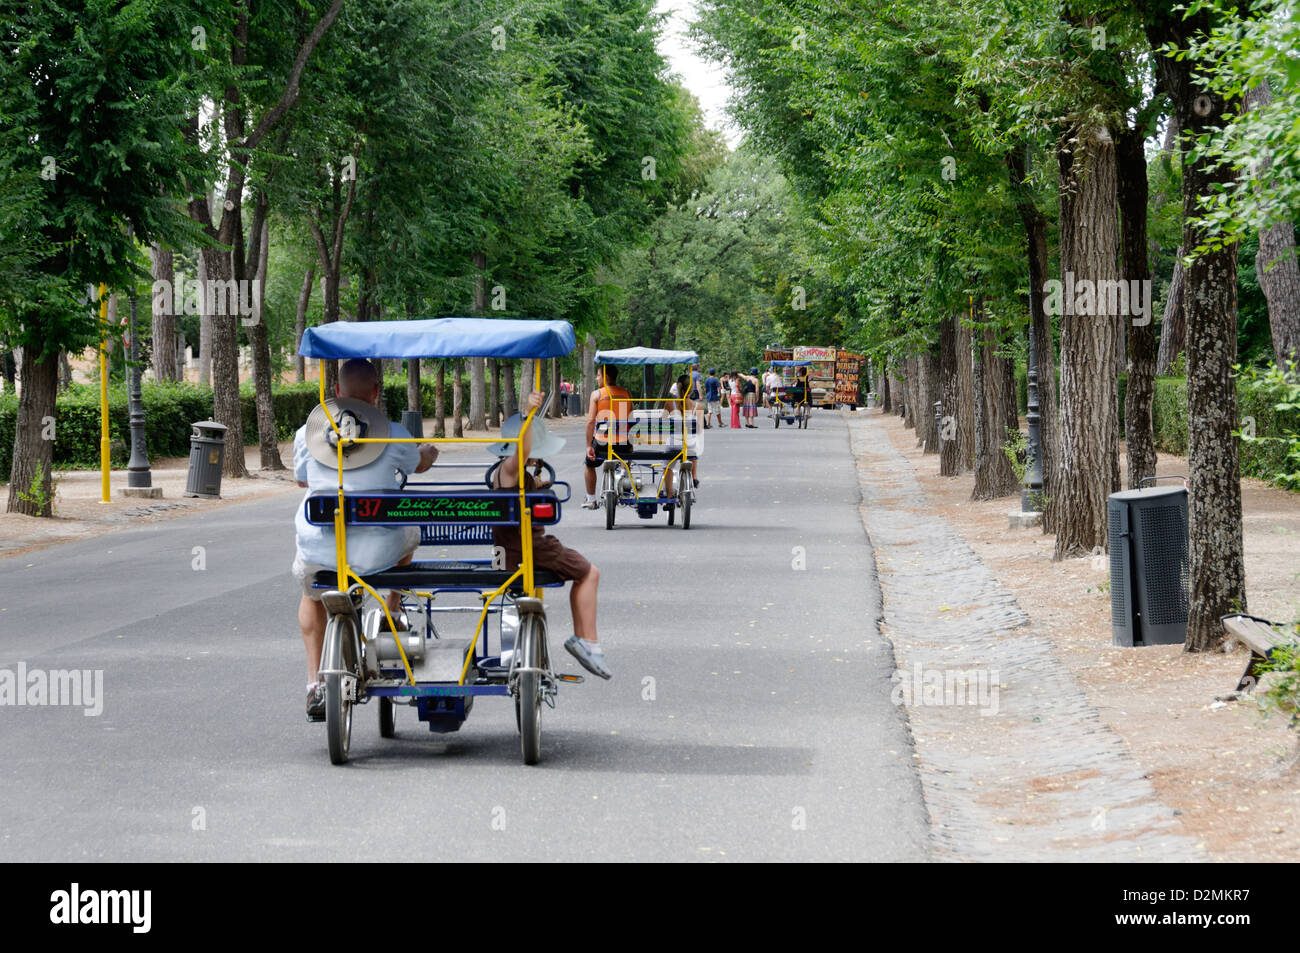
591 504
399 620
589 656
316 702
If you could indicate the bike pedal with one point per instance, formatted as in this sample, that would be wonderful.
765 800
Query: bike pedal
575 679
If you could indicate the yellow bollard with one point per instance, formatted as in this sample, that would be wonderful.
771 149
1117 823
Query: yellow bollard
103 391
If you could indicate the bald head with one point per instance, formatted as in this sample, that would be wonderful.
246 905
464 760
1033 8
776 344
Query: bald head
359 380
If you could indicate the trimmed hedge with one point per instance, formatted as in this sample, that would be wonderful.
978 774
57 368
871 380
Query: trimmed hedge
1264 460
170 409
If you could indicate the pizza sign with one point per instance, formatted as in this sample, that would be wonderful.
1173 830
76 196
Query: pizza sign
848 367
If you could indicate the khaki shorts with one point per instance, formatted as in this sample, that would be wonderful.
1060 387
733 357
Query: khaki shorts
305 572
548 553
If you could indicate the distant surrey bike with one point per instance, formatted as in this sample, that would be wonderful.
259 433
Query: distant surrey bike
644 446
790 399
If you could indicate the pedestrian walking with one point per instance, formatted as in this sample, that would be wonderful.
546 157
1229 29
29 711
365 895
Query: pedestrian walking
712 398
735 400
749 397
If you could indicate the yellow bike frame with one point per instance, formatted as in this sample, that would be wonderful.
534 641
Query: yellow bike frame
525 521
610 455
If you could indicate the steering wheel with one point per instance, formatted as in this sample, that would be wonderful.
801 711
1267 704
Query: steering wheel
491 475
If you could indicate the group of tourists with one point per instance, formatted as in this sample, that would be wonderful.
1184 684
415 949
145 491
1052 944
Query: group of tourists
739 391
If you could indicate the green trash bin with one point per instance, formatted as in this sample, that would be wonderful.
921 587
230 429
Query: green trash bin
207 451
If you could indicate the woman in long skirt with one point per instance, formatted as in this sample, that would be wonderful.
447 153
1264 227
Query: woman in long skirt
735 400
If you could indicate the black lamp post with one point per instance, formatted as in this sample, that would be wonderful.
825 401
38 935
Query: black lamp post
1031 497
138 474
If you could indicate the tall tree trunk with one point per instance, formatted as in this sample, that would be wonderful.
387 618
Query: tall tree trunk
1088 461
494 393
886 402
457 394
995 414
1173 322
963 353
7 363
909 391
162 268
526 383
1066 189
225 359
329 286
588 371
1275 264
1218 577
260 344
439 402
300 322
414 404
555 387
931 394
510 400
205 324
1139 427
950 393
983 426
477 386
33 454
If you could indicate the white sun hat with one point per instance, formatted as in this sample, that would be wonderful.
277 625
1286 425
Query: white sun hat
356 418
544 444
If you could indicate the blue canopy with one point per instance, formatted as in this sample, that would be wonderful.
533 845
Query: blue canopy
792 363
439 337
646 355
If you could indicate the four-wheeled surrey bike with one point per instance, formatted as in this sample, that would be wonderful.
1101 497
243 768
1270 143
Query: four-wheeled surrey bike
648 449
365 655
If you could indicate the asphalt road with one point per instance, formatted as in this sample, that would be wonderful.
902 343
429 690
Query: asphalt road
748 717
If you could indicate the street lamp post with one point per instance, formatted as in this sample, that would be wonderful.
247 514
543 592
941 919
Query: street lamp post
1031 496
138 475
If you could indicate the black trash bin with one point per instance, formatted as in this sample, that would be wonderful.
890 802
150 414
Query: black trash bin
413 421
1149 566
207 451
575 404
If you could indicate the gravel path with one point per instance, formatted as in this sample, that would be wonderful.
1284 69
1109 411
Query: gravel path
1014 763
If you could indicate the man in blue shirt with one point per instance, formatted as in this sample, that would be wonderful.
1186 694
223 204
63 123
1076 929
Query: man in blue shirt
373 466
712 397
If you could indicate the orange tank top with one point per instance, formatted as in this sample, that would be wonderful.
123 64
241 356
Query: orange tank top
610 407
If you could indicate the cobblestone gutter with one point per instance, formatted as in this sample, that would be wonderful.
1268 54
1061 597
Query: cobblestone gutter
1014 763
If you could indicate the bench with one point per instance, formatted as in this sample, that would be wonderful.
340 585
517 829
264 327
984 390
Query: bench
446 517
1260 636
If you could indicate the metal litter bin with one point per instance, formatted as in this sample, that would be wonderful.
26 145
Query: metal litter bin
413 421
575 404
1149 566
207 451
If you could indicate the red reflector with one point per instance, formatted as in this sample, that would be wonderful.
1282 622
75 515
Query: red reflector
544 511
